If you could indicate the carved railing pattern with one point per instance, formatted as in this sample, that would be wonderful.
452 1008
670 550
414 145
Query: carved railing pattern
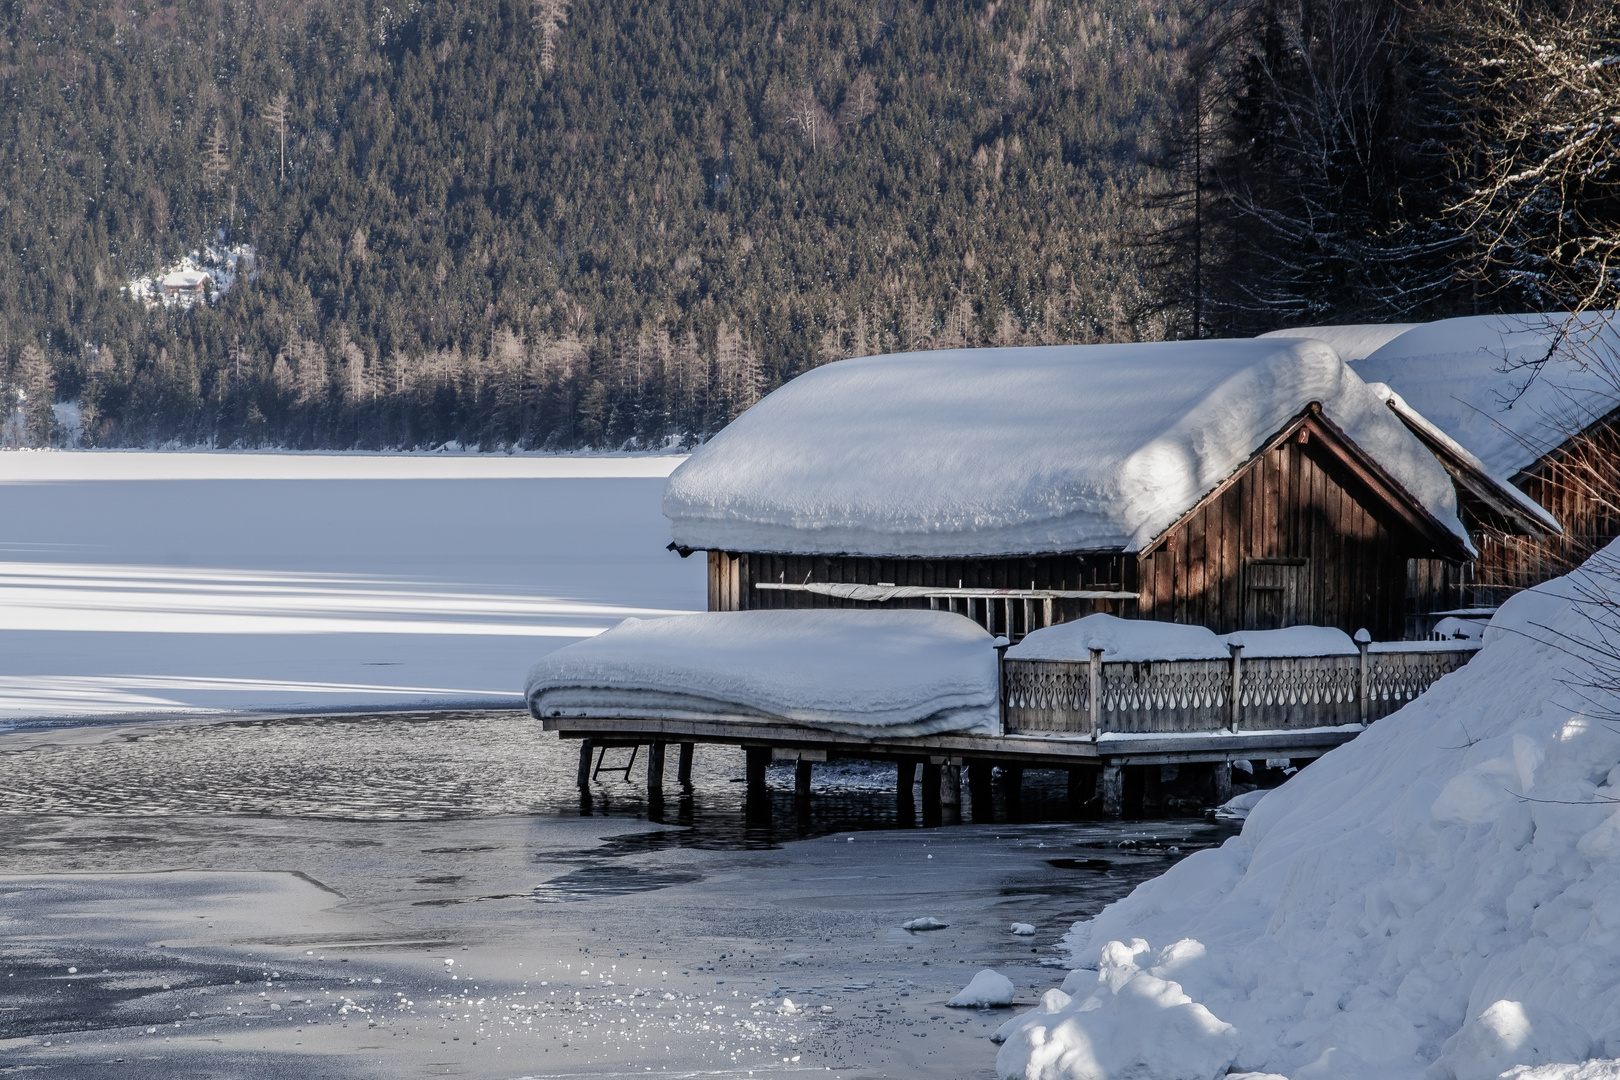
1176 696
1048 696
1184 695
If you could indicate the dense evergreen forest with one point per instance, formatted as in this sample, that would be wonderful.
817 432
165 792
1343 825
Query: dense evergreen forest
554 224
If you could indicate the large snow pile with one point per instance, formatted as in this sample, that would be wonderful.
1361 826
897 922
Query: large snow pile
1475 378
996 451
904 672
1439 898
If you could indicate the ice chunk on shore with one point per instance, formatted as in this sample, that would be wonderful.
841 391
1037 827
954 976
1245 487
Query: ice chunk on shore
989 989
927 922
1022 929
1238 807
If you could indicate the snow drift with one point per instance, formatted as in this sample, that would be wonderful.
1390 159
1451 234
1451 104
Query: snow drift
901 672
1019 451
1438 899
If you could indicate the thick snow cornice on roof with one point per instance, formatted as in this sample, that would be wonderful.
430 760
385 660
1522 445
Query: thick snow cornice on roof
987 452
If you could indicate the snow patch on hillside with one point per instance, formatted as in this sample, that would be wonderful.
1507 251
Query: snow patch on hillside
1433 900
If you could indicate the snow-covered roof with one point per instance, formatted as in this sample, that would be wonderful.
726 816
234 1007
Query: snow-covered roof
1504 493
1467 376
1351 341
185 279
1019 451
895 672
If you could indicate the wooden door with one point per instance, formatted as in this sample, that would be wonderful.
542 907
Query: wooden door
1275 593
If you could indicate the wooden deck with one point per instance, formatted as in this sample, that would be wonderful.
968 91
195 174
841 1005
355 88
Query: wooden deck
1093 719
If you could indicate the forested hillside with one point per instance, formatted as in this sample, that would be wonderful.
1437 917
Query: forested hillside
536 223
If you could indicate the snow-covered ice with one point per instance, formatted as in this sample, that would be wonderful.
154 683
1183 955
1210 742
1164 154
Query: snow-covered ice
994 451
1023 929
906 672
989 989
927 922
168 582
1433 900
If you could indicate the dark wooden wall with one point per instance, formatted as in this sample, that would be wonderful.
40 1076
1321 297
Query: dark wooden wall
1579 483
1298 539
732 576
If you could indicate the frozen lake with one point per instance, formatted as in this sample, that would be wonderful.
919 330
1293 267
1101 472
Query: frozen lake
279 897
144 583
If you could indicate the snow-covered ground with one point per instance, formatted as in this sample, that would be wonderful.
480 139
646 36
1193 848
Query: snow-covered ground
1438 899
152 582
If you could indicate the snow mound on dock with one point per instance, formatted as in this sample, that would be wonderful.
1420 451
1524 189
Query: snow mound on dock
983 452
898 672
1433 900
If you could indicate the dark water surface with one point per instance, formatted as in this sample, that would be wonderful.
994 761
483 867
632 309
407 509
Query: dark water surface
447 766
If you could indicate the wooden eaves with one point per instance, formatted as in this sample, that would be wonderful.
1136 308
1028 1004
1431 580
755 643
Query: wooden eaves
1313 424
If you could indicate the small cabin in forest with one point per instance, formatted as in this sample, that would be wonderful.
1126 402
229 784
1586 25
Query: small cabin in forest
1251 484
1534 401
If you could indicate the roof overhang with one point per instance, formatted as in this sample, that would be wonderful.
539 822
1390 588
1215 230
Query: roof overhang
1315 425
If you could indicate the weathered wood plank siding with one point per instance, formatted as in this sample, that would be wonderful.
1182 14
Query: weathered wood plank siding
1299 526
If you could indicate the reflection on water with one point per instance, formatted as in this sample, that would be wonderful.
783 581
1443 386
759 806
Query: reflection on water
458 765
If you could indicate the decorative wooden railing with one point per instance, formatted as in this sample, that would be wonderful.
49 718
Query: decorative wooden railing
1011 613
1067 697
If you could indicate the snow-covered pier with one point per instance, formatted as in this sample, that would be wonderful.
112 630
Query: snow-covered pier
932 691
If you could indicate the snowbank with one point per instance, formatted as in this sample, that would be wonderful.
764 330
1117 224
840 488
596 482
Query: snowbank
997 451
1435 899
1468 377
904 672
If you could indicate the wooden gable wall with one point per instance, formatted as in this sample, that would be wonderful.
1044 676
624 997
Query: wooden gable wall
1296 539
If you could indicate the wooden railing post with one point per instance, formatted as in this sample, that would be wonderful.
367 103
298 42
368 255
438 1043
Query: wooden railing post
1364 690
1236 714
1094 698
1001 645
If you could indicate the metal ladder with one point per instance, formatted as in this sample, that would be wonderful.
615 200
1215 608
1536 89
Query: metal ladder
601 756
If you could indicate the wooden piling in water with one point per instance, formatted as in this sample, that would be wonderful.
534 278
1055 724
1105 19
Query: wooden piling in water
1111 786
758 759
585 749
655 767
683 768
801 779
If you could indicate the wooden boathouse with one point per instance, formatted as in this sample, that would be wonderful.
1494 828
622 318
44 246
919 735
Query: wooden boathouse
1229 485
